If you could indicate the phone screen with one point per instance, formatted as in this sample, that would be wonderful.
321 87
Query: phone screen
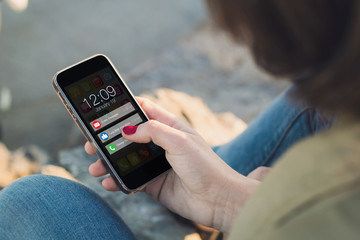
105 106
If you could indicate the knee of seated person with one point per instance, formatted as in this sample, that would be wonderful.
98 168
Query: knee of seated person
32 187
39 181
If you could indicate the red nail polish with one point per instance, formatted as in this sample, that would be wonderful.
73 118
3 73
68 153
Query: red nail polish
129 130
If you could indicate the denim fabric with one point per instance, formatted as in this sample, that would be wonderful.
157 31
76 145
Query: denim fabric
274 131
47 207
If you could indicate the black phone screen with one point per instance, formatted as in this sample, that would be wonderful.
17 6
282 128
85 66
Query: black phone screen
105 106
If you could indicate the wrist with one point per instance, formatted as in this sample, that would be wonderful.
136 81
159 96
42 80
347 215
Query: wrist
232 199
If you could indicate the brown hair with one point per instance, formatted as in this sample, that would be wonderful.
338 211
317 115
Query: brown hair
316 43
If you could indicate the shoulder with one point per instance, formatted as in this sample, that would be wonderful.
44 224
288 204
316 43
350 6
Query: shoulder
332 216
311 181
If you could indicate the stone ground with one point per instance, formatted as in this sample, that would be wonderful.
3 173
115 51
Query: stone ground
190 57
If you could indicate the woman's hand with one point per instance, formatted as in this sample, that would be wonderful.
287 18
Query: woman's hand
201 187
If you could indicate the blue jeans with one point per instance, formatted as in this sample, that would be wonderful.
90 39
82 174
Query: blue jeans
39 207
274 131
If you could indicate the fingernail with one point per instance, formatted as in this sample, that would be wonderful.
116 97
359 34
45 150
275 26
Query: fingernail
129 130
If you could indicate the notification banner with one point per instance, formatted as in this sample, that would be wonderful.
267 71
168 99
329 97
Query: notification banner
112 116
115 130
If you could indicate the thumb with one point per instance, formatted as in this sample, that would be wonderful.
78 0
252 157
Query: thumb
162 135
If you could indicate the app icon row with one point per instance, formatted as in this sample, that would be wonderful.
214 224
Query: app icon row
87 86
135 158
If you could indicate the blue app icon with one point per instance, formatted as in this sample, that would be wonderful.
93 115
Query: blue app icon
104 136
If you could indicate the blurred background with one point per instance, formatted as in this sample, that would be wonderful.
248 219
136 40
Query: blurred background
168 50
50 35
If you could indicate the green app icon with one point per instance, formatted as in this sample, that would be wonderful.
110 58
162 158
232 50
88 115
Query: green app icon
112 148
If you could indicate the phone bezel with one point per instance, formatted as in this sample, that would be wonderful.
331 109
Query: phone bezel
140 177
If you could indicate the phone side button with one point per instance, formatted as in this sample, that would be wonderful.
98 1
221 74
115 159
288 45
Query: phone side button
69 110
72 114
74 117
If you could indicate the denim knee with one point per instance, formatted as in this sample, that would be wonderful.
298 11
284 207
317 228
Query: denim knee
28 187
26 194
39 180
41 206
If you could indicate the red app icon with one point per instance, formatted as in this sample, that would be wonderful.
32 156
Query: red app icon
96 81
144 152
96 124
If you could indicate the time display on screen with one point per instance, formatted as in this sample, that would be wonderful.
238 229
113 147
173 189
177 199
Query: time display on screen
104 94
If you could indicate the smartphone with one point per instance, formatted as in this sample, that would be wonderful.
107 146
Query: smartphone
101 104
